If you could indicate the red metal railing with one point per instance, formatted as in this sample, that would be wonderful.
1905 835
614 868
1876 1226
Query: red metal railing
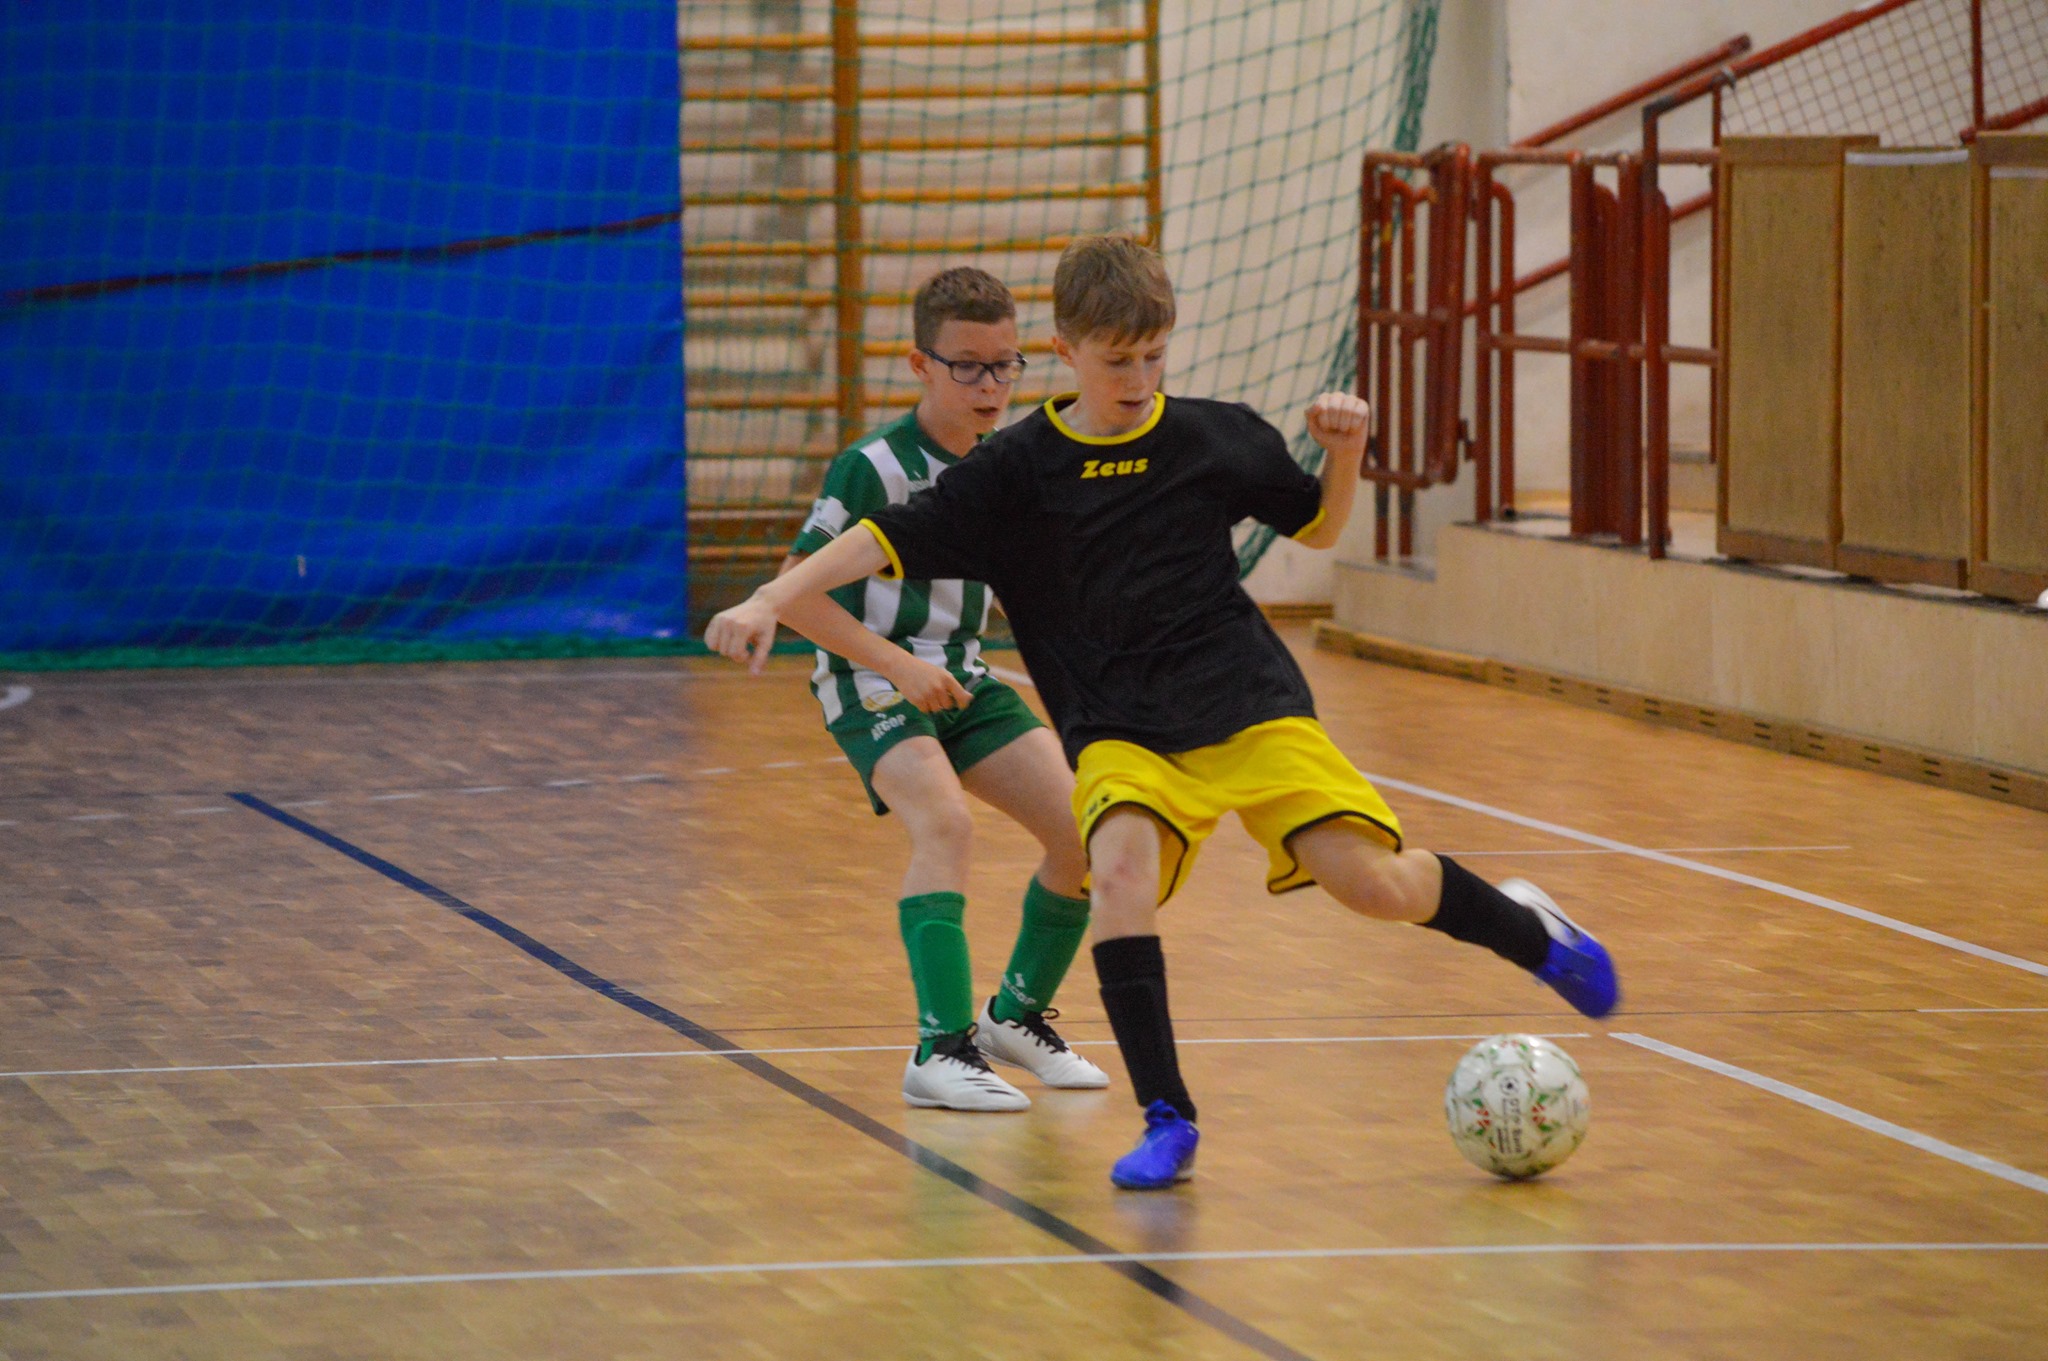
1416 435
1618 338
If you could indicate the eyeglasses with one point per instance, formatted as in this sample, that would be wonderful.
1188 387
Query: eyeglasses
1004 371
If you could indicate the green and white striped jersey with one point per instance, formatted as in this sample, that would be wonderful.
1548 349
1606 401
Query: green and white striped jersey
938 621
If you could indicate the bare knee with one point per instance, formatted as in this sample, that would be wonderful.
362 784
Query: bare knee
1120 880
1374 889
940 825
1369 878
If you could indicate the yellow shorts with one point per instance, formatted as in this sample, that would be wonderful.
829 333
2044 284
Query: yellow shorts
1279 777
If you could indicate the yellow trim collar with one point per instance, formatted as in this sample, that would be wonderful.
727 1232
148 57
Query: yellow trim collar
894 571
1051 404
1310 527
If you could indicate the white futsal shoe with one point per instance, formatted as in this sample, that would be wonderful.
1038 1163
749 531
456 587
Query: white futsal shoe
957 1078
1033 1045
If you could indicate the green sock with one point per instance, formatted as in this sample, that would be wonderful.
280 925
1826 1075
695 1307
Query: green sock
1053 930
939 967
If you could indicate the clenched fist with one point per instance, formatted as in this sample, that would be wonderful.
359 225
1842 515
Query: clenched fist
1338 421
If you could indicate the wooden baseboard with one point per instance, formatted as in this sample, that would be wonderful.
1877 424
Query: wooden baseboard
1296 611
2009 583
1756 547
2025 788
1887 565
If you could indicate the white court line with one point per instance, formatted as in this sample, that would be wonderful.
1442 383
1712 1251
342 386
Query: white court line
1664 850
1716 872
1678 862
1049 1259
1926 1143
16 694
697 1054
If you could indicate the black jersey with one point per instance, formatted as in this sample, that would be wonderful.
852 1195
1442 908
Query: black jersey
1113 559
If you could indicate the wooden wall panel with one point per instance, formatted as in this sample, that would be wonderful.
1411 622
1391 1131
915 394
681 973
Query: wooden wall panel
1781 346
1905 378
2012 444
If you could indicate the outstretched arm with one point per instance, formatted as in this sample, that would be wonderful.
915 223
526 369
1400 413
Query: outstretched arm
797 597
1338 421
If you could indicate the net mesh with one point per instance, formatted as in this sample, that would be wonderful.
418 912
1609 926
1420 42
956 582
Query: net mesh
991 134
1904 76
334 336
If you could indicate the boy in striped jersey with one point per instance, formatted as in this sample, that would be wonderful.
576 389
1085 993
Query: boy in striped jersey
919 757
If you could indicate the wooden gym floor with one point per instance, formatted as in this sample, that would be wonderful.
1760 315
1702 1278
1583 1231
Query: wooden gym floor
557 1010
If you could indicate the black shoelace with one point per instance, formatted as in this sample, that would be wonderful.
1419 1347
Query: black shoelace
1038 1023
960 1045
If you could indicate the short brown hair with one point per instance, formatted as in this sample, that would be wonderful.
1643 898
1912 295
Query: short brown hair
1115 286
960 294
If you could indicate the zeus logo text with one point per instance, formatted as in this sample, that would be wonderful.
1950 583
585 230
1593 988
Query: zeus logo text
1101 467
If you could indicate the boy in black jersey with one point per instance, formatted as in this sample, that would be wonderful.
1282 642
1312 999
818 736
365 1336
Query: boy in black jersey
1102 521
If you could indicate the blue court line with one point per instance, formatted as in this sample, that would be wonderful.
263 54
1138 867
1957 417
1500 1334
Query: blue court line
930 1160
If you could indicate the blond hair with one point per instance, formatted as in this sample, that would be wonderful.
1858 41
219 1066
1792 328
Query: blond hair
1113 286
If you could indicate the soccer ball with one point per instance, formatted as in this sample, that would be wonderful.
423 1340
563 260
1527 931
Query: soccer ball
1517 1106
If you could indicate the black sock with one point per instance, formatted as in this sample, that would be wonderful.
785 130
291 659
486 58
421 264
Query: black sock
1133 975
1476 912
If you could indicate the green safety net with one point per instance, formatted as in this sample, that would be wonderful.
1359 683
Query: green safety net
984 133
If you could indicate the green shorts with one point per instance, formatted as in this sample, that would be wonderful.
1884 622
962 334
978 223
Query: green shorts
996 717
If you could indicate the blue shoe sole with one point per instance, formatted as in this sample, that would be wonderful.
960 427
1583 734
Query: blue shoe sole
1584 976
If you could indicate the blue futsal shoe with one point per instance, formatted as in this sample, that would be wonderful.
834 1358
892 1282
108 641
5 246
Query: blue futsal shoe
1165 1155
1578 967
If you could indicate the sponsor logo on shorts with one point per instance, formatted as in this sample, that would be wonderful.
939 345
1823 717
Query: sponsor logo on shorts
880 700
1111 467
887 726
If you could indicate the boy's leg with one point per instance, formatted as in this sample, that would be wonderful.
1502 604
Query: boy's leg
1516 921
1124 854
917 781
1028 781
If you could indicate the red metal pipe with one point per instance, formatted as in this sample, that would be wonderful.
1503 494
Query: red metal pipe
1771 56
2019 117
1583 249
1976 64
1384 359
1505 462
1447 270
1636 94
1410 199
1656 368
1626 380
1483 356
